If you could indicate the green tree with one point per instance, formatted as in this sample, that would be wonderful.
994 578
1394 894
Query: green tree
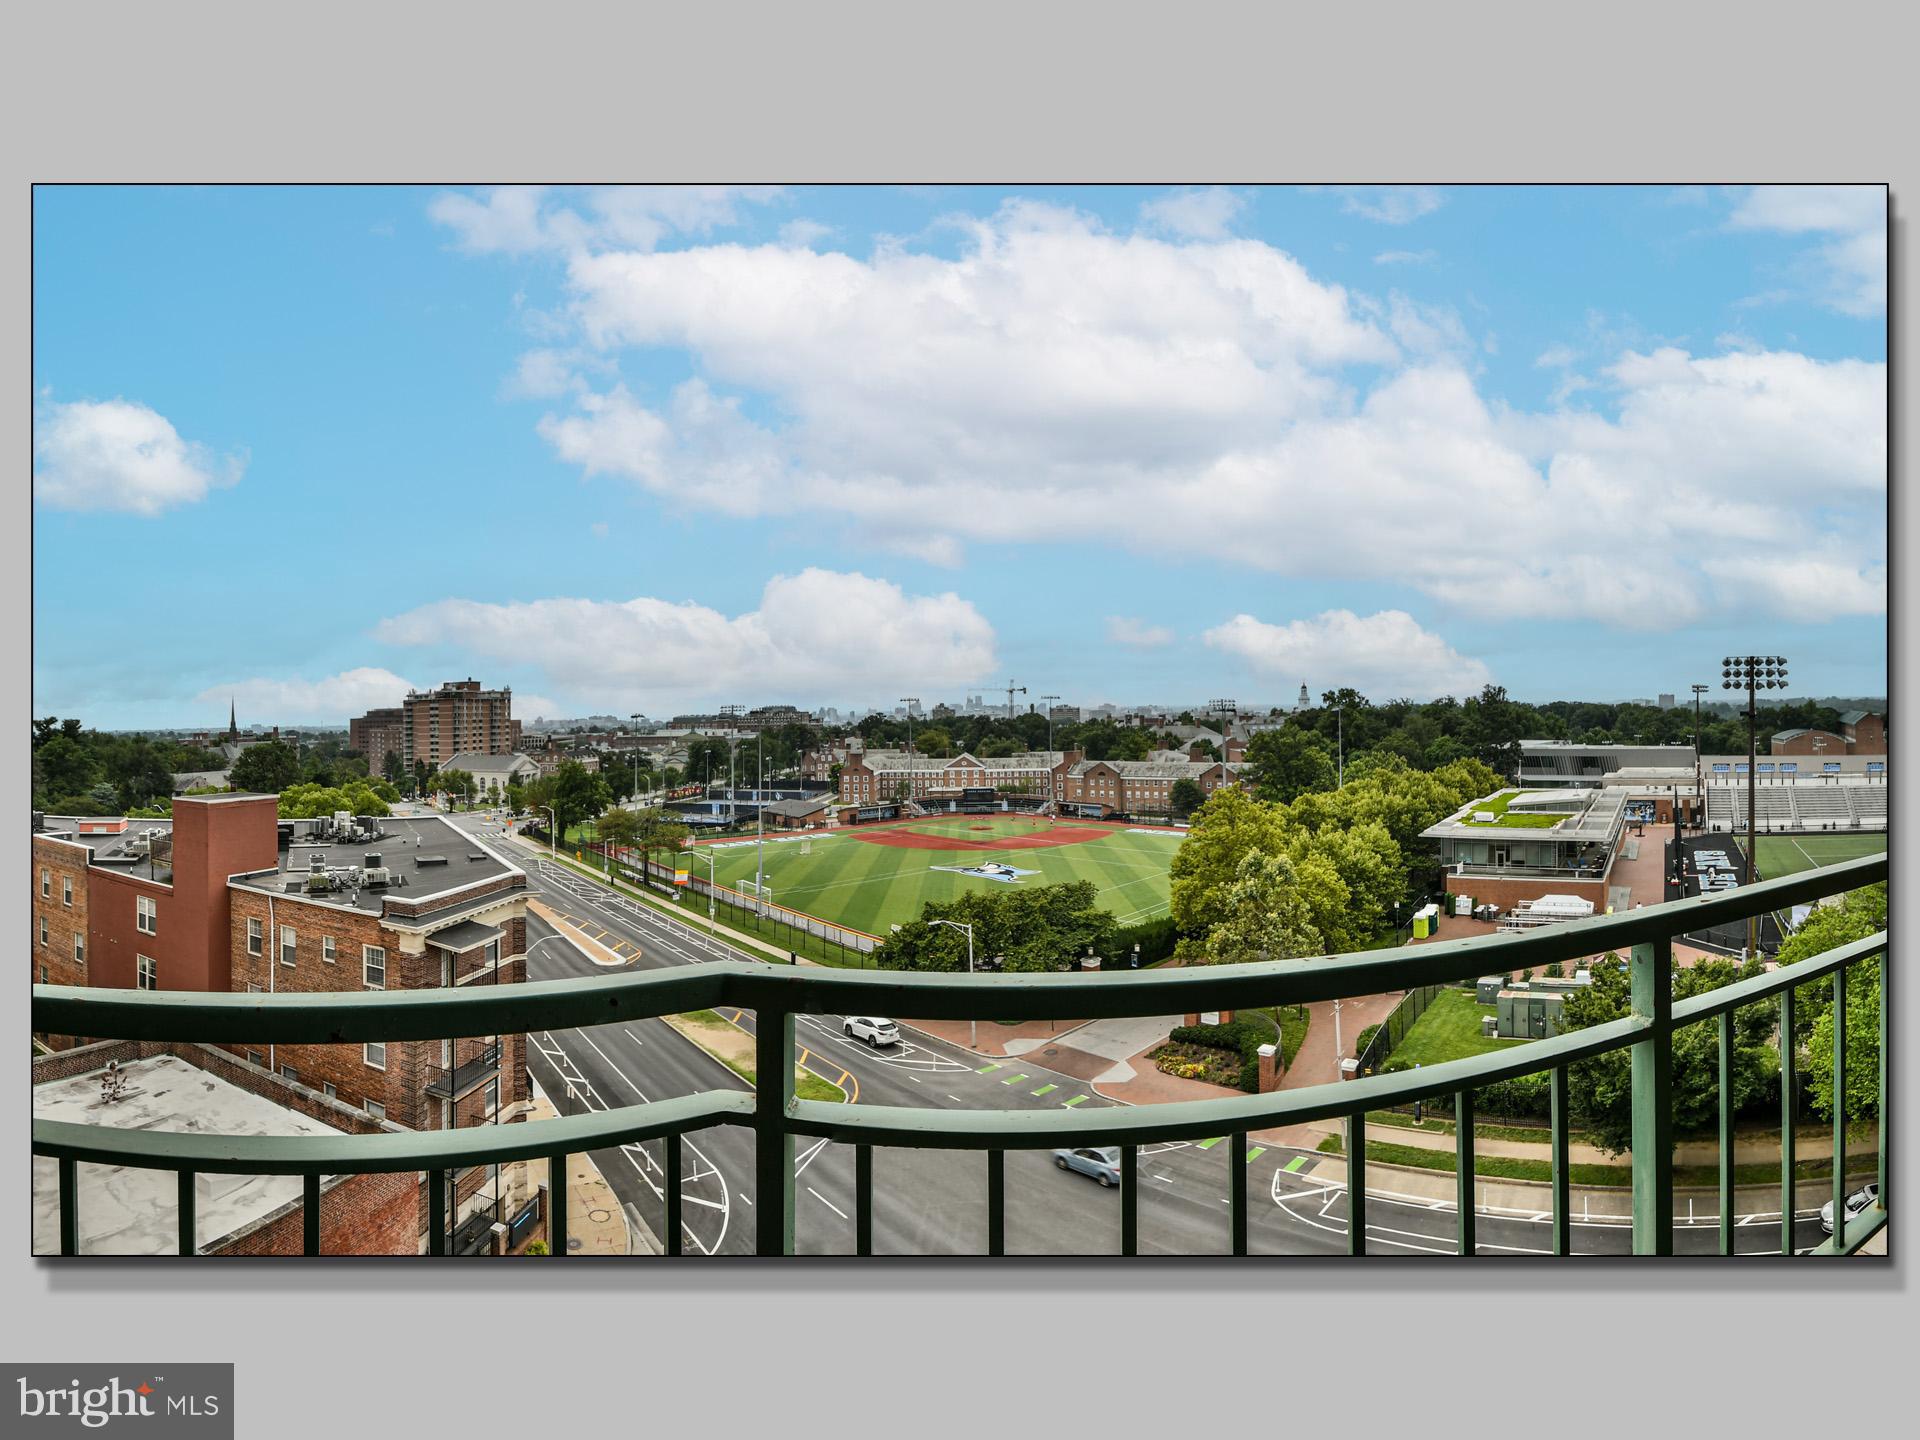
1185 798
1225 829
393 767
1287 763
266 768
578 795
935 740
1856 915
618 827
1266 914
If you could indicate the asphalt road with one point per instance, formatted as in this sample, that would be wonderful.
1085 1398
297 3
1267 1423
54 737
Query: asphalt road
929 1202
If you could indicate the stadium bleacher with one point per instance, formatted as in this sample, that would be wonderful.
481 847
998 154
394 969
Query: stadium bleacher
1800 807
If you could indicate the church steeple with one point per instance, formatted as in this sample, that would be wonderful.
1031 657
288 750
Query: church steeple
233 721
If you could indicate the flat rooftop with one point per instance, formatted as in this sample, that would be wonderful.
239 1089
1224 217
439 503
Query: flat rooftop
424 856
125 1211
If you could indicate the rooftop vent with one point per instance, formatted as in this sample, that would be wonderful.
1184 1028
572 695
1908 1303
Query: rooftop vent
430 860
476 857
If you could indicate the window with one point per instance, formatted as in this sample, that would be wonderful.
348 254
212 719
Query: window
328 1090
376 1110
144 971
43 980
146 917
254 987
43 929
254 1057
66 891
289 945
493 1096
79 948
376 1054
46 883
373 966
327 952
287 1072
254 935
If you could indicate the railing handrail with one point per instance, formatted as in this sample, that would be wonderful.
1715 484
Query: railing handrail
351 1018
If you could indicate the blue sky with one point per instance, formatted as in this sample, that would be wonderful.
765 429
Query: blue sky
654 450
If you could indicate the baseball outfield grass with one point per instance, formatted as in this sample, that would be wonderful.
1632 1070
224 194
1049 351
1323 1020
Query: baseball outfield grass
876 876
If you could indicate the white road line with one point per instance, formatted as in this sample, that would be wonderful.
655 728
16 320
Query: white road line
743 1196
826 1202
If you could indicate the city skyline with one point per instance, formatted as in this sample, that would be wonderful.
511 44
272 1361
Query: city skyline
659 449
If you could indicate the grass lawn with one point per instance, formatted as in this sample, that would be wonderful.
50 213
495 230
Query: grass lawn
1450 1030
1779 855
840 877
1519 819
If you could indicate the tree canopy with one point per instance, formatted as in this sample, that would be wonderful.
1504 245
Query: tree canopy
1045 928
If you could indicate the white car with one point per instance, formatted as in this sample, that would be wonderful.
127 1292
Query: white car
1856 1202
876 1030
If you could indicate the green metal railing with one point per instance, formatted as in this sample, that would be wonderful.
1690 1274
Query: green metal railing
777 994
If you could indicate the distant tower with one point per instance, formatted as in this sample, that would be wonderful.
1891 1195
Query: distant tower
1305 703
233 721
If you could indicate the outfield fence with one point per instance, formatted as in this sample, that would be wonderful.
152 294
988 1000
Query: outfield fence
797 921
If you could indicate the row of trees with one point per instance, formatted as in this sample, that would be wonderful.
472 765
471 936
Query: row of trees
1031 930
86 772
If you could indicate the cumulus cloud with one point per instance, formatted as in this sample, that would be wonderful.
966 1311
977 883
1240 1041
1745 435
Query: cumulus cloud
294 700
1198 214
120 455
817 636
1132 634
522 219
1385 653
1852 266
1390 204
1406 257
1052 379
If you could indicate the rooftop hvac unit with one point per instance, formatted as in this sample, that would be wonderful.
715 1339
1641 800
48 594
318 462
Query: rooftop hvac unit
371 860
317 861
343 819
374 876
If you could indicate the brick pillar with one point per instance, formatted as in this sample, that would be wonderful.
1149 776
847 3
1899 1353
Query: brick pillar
1272 1068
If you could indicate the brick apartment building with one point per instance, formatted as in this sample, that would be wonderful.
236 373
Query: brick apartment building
870 777
242 901
459 715
377 734
1097 788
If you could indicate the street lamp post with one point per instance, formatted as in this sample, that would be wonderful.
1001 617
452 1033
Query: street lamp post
1053 778
1699 790
909 701
553 835
713 926
1753 673
973 1026
760 819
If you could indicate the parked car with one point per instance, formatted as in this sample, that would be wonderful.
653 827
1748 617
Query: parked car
1856 1202
1102 1162
876 1030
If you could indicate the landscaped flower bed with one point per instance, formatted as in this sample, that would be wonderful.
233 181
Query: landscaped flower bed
1200 1062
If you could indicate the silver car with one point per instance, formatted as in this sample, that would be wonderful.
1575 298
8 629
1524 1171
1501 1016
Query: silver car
1856 1202
1102 1162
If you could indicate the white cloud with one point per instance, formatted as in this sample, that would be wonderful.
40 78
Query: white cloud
1197 214
541 375
803 234
1852 267
1390 204
293 700
1135 634
120 455
817 636
1385 654
1406 257
521 219
1052 379
599 528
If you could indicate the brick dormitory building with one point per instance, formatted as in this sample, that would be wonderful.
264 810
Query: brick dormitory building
227 897
1078 786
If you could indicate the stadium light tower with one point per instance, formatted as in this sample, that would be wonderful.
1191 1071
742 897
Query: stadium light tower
1053 778
1753 673
909 701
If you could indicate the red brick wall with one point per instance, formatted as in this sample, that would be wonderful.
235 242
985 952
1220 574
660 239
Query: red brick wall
1867 736
359 1215
65 864
1803 744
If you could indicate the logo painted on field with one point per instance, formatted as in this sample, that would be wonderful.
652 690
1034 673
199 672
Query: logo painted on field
178 1400
989 870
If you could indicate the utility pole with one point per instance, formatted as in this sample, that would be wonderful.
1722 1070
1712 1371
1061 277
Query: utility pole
1699 793
1754 673
760 820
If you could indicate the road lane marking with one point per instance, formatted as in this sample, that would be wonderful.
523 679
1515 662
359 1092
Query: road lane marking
1068 1105
989 1069
1045 1088
1209 1144
1255 1153
1294 1164
826 1202
1015 1079
955 1098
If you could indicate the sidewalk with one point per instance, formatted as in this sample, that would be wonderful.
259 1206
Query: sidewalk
996 1039
596 1225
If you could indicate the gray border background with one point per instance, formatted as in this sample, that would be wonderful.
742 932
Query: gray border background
1004 93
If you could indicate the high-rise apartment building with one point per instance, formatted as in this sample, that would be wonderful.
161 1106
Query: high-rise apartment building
377 734
459 715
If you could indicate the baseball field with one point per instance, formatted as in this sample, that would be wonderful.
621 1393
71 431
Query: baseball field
871 877
1778 855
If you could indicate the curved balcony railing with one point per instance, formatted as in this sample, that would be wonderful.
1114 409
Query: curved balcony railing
777 994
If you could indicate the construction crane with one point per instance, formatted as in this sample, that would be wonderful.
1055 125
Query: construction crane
1013 690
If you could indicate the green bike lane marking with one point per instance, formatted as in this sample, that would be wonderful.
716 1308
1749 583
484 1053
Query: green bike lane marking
1015 1079
1294 1164
1078 1099
1045 1088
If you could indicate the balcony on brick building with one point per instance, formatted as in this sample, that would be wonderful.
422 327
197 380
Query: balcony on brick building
465 1078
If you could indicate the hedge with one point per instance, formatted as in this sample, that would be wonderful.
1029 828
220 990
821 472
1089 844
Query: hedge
1156 939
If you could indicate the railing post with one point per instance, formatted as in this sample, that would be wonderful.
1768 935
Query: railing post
863 1200
1237 1193
1726 1132
1129 1200
557 1203
1882 963
189 1233
69 1207
1562 1188
996 1202
1840 1109
675 1238
1356 1184
772 1140
310 1213
1463 1169
436 1212
1789 1113
1652 1001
